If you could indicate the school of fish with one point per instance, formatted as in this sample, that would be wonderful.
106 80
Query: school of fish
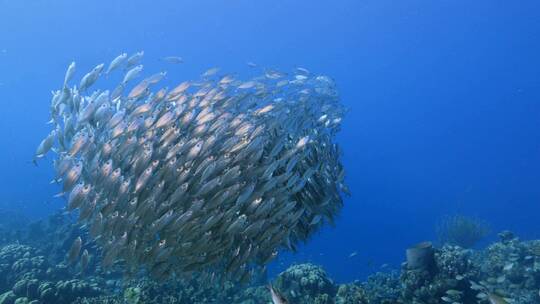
215 175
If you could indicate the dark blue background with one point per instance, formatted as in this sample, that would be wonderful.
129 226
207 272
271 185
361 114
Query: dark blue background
443 97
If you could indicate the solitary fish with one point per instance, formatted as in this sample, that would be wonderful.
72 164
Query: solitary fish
277 298
496 299
116 63
90 78
179 89
173 59
69 73
45 145
156 77
135 59
85 258
74 250
139 90
247 85
210 72
133 73
78 195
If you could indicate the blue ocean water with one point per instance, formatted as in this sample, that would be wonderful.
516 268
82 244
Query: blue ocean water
443 100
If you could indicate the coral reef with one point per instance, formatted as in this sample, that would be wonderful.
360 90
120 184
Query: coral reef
508 269
35 271
28 277
511 269
306 283
351 293
383 288
452 271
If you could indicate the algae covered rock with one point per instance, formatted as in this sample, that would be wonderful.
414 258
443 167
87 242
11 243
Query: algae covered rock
383 288
17 261
26 288
47 292
8 298
132 295
306 283
68 291
351 293
23 300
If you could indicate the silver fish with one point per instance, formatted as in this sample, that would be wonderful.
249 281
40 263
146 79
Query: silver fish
74 251
132 74
69 73
173 59
135 59
210 72
156 77
223 172
72 176
116 63
76 197
85 259
277 298
91 77
45 145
